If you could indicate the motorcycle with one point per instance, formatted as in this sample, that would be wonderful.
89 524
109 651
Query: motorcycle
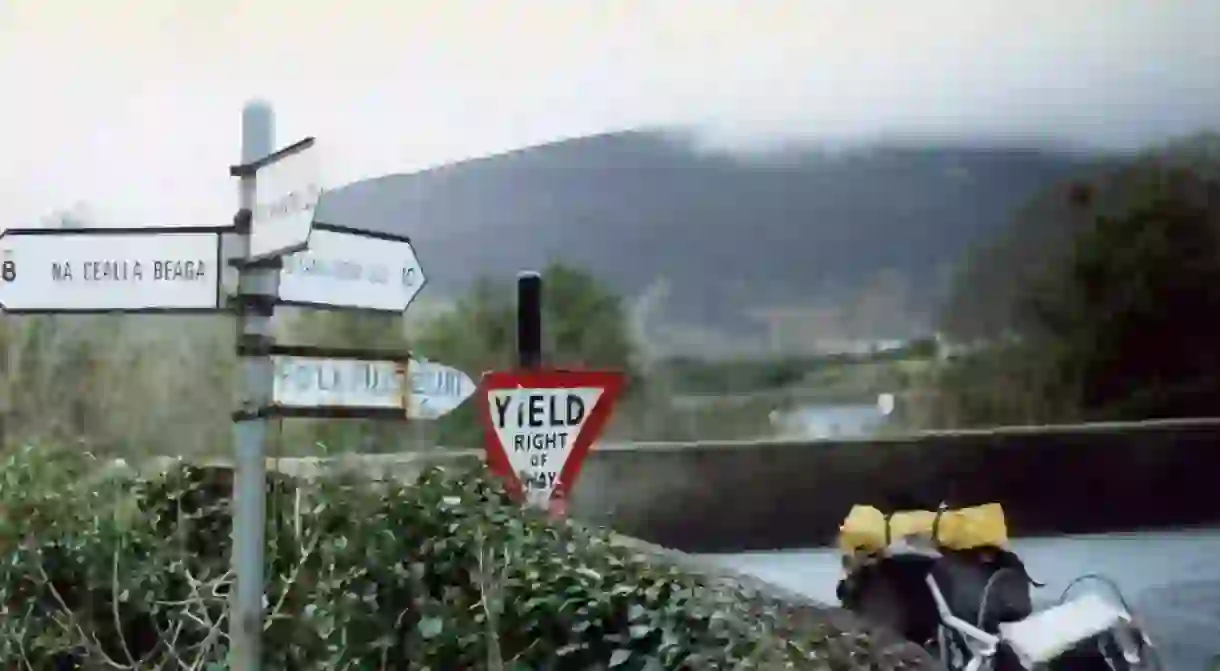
947 581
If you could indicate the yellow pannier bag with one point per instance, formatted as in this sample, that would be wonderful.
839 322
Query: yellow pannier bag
865 529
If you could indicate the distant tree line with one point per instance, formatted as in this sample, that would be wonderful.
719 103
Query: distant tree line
697 375
1101 302
157 384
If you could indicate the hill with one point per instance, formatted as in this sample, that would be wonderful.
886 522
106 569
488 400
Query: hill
720 253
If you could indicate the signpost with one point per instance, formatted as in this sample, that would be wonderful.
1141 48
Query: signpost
131 270
344 268
540 425
284 256
257 291
315 382
48 270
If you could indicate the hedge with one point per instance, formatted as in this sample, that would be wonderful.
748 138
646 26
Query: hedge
109 568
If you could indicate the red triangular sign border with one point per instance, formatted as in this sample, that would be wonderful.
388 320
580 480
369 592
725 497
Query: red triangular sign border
611 383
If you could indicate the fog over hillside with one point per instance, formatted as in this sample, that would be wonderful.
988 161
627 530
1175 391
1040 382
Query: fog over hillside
779 250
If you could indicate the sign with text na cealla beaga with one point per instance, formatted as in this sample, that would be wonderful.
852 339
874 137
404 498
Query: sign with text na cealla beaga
540 424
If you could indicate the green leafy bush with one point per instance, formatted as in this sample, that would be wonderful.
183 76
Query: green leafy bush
106 568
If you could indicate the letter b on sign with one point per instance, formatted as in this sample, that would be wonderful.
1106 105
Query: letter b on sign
8 270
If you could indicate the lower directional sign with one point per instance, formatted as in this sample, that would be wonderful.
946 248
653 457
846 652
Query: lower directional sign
110 270
312 382
541 424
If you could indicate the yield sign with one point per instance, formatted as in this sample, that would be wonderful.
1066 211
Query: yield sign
540 425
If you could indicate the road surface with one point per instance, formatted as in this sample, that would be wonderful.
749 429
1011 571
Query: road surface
1171 580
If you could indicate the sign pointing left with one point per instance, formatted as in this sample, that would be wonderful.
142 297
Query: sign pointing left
110 270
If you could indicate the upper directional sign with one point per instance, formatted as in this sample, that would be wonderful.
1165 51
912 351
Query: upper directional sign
352 269
110 270
318 382
287 189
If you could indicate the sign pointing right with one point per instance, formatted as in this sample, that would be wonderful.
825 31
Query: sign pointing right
352 269
315 382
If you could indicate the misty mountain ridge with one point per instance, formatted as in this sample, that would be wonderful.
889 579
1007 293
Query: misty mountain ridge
790 250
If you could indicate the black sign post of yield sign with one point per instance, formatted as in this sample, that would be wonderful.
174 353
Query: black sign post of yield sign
540 424
529 320
286 256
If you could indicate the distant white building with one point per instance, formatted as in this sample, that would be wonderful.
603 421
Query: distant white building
854 420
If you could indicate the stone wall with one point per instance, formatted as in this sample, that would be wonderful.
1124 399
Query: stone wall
728 497
731 497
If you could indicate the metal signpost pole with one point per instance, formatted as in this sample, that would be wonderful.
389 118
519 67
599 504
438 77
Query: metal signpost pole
529 320
179 270
280 260
258 286
540 452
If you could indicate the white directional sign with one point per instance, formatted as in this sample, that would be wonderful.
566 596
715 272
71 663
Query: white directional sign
343 268
425 390
287 189
109 270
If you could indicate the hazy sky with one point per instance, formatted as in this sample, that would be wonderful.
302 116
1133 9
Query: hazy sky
133 106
